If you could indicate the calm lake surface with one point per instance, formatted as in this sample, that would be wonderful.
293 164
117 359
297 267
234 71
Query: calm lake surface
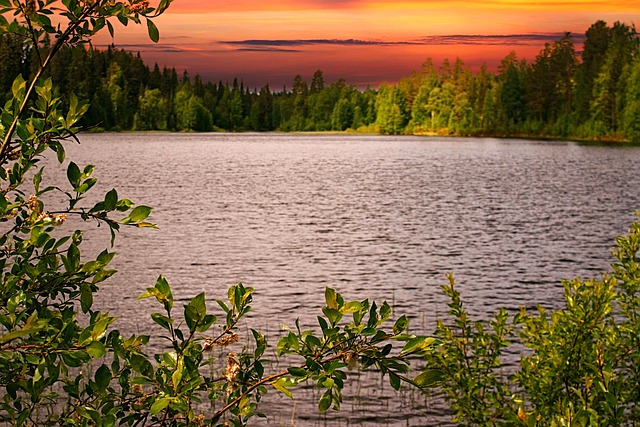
375 217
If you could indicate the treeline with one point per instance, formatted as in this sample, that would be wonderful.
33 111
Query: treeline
592 94
124 94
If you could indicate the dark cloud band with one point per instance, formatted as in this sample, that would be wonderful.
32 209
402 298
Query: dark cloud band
310 42
456 39
496 39
297 45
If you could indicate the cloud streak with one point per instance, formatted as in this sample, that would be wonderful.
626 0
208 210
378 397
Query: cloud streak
497 39
141 47
287 45
298 45
269 49
310 42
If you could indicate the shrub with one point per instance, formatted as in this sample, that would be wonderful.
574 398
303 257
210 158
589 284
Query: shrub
580 367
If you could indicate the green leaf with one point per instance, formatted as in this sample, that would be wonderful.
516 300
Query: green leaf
199 304
124 205
386 349
109 420
394 380
206 322
176 377
162 320
17 334
191 317
141 365
283 346
162 292
110 200
325 401
417 344
99 329
103 377
279 385
41 20
59 149
162 6
323 325
86 297
298 372
162 285
401 325
73 104
224 306
22 418
331 298
96 349
195 311
261 344
75 359
170 359
351 307
146 225
89 414
259 368
385 311
88 171
313 341
429 378
37 179
73 259
154 34
373 316
6 118
86 185
139 213
105 257
124 20
18 86
159 405
328 383
35 234
73 174
332 314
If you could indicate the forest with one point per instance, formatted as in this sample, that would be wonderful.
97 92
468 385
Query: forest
593 94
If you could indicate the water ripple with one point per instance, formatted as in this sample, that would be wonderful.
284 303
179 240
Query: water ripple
372 216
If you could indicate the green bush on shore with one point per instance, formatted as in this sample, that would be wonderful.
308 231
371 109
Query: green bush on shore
580 366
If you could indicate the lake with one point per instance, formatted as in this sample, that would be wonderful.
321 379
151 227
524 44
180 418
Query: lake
378 217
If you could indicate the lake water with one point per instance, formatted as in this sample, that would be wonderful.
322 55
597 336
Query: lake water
375 217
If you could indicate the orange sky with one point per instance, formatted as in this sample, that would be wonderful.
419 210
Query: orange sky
365 42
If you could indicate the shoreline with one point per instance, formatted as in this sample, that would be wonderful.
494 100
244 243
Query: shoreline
606 141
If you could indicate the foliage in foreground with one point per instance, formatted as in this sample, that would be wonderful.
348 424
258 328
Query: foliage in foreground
60 361
62 364
580 366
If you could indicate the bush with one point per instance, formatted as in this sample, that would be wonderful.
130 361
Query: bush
581 366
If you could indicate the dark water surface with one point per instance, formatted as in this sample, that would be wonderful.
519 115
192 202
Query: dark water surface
375 217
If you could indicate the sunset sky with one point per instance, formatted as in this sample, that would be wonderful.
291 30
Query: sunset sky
363 41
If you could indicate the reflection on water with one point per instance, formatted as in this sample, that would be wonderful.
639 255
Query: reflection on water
375 217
